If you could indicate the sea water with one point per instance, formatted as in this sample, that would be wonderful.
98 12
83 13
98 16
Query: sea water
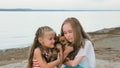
17 28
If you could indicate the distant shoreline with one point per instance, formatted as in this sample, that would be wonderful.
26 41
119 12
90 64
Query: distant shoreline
52 10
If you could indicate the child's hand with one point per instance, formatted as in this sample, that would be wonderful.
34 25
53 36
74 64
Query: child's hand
58 57
66 52
68 49
59 47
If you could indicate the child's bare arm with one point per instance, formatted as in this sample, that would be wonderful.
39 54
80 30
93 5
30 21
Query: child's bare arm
59 46
74 62
42 62
67 50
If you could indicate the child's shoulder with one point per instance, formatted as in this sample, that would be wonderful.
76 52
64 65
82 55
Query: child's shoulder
88 42
37 53
37 50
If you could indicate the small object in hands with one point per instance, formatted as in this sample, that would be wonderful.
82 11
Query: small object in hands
63 41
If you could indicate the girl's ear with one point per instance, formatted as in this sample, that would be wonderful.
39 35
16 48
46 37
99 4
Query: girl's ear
40 40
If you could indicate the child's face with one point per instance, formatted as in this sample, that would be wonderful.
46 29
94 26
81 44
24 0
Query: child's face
68 32
48 39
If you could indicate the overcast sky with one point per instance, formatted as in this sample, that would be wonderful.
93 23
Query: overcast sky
62 4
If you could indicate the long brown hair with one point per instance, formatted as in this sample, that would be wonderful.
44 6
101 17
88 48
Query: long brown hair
78 32
39 33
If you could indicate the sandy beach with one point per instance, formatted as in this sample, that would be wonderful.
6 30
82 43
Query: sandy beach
106 44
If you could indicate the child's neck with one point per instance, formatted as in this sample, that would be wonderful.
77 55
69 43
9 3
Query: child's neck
46 48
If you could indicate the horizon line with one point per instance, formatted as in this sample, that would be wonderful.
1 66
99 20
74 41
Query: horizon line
27 9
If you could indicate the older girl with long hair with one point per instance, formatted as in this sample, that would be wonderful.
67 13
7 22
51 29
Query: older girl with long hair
83 51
